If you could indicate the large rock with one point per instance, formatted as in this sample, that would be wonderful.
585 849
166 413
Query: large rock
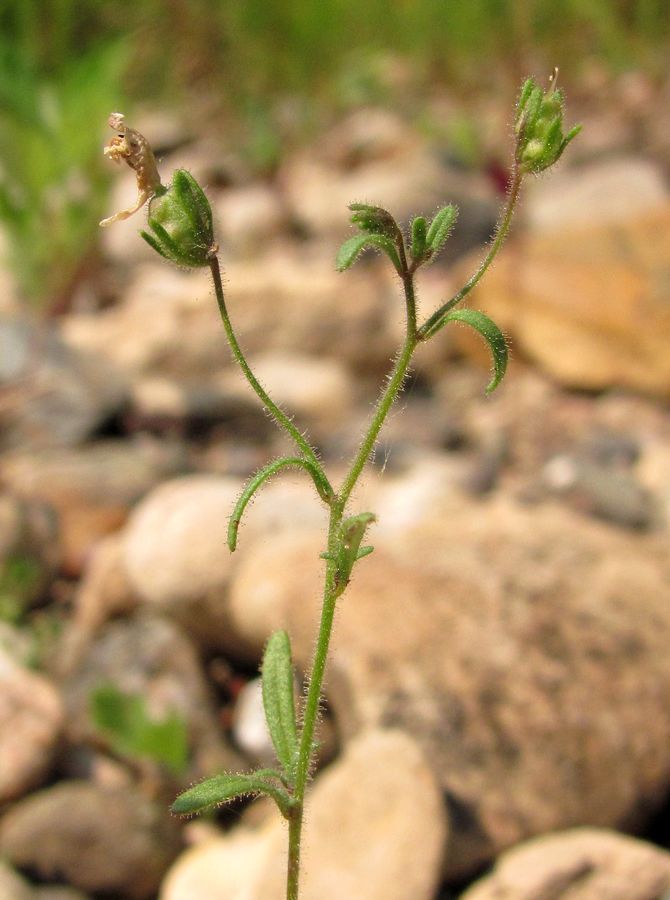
175 552
111 841
317 392
582 864
168 323
92 488
511 643
31 719
588 313
375 829
53 394
376 157
603 193
12 886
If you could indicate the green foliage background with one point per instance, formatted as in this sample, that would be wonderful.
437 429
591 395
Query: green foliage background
261 72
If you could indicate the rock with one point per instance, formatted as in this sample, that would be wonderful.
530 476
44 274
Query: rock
103 592
16 644
54 395
374 830
111 841
12 886
375 157
580 864
588 315
152 658
602 491
29 554
319 393
606 192
168 323
31 719
175 553
247 218
219 868
509 642
58 892
92 489
250 730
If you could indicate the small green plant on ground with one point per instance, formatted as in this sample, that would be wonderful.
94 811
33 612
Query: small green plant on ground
181 230
132 732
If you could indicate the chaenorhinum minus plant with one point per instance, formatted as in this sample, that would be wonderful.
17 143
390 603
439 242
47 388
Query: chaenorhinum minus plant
181 229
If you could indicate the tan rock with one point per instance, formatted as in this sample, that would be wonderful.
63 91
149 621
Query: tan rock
588 304
319 392
510 643
92 488
375 830
175 553
582 864
168 323
603 193
31 719
12 886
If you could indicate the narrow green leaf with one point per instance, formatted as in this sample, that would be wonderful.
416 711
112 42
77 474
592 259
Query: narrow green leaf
154 244
223 788
352 248
279 699
440 228
493 336
419 237
254 483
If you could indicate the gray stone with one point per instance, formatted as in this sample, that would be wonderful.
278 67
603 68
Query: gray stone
55 395
112 841
153 658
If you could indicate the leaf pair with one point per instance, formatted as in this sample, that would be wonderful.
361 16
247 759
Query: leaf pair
428 240
279 704
352 531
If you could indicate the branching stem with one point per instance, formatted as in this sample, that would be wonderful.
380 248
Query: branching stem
275 411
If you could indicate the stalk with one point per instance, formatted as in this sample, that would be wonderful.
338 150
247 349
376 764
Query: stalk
275 411
331 590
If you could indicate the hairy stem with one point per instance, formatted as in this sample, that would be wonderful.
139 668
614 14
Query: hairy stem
388 397
434 323
275 411
332 590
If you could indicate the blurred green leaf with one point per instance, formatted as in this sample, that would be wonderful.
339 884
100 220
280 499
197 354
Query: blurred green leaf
125 721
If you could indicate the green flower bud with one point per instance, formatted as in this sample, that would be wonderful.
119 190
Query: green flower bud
540 141
180 219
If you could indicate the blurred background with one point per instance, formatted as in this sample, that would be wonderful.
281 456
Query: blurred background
497 709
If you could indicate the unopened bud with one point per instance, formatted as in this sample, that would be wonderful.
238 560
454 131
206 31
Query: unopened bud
540 140
180 219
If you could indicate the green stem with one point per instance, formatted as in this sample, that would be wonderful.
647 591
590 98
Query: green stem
311 709
389 395
332 591
278 414
434 323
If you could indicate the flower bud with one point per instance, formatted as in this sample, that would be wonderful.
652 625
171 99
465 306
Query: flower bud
180 219
540 141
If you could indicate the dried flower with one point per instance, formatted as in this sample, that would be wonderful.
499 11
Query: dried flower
134 148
